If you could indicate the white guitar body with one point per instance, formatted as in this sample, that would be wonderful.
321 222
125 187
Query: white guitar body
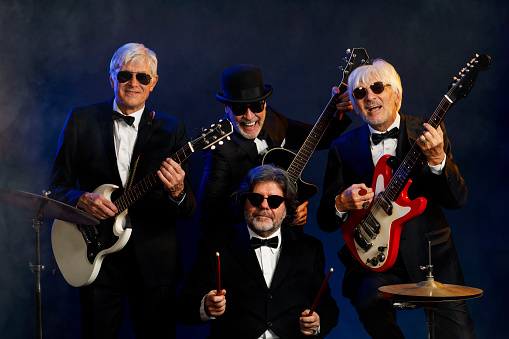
70 248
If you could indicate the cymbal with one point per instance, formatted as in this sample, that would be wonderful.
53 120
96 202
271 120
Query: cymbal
429 290
52 208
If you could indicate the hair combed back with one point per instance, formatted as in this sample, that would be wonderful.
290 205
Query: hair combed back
270 173
134 53
380 70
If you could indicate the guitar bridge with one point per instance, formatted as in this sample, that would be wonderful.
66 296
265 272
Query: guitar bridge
361 240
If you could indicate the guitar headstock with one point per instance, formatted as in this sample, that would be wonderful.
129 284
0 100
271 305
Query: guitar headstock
355 58
214 134
464 83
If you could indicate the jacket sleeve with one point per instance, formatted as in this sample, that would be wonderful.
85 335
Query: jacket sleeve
333 184
64 175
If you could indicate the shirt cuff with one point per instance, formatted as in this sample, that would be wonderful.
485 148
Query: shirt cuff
203 314
438 168
341 215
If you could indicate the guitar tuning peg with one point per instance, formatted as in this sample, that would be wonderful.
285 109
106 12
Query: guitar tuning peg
212 125
228 138
348 51
340 68
220 142
213 147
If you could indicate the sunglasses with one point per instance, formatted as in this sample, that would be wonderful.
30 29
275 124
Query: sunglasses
377 88
125 76
257 199
256 107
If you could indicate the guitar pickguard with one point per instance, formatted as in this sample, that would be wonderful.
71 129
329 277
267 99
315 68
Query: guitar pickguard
373 235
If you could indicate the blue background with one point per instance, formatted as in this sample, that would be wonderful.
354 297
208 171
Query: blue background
55 55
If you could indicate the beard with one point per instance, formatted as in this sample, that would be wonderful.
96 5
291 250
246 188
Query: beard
264 223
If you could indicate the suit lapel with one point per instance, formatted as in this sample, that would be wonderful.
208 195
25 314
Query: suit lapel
106 126
286 257
145 130
358 150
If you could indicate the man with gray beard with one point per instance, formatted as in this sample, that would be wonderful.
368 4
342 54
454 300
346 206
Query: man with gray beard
270 274
257 127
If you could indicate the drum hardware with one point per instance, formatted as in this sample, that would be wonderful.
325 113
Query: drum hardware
43 206
427 294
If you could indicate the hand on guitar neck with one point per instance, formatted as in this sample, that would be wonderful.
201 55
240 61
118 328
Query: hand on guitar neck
355 197
431 142
344 105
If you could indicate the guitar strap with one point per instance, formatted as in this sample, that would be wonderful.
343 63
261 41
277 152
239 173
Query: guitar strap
133 169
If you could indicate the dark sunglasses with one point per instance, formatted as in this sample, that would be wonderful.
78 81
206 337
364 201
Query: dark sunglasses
125 76
257 199
256 107
377 88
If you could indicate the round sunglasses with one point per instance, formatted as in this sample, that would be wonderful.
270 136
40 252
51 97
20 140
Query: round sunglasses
125 76
256 107
377 88
257 199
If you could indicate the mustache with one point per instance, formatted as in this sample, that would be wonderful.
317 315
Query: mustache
263 214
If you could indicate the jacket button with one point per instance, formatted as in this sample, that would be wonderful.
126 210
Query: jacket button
269 324
269 296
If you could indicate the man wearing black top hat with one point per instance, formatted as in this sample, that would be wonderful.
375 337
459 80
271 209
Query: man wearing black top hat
257 126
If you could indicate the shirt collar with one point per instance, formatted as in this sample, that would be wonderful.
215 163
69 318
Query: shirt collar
277 233
136 115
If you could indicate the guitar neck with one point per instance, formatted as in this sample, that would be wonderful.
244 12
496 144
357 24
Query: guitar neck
308 147
132 195
400 178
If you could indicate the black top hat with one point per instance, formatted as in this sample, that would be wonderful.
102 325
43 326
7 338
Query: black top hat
243 84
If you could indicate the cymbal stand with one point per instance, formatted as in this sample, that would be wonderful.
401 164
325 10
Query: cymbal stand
37 269
430 315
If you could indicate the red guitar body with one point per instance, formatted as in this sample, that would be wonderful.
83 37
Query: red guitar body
373 234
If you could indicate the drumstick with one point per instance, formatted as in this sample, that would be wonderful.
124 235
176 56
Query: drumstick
315 303
218 274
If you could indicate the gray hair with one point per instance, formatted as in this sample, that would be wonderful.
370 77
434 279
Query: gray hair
380 70
270 173
133 53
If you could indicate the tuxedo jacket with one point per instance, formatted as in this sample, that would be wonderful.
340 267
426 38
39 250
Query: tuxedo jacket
251 306
226 165
350 162
86 159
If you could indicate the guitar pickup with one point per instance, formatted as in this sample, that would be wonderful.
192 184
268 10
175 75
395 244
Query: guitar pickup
385 204
370 225
361 240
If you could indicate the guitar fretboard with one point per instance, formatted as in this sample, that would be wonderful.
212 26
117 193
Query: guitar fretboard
129 197
308 147
399 179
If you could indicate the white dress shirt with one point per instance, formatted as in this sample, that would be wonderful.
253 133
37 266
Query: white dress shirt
124 138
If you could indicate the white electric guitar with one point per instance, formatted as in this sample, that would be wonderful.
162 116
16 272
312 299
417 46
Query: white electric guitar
80 249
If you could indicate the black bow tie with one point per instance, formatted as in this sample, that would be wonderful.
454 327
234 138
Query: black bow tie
271 242
378 137
128 120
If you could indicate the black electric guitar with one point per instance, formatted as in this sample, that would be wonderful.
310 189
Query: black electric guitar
373 234
80 249
295 163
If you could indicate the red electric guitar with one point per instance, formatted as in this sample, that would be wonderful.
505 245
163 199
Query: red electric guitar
373 234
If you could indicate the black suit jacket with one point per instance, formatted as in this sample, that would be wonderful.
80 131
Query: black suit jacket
86 159
252 307
350 162
227 165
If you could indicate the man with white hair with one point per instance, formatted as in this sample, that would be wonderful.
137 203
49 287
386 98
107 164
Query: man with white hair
376 94
120 142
